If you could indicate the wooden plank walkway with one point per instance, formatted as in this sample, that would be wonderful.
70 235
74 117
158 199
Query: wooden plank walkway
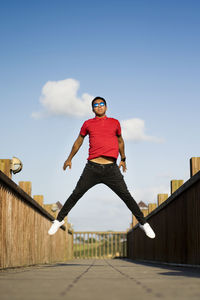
89 279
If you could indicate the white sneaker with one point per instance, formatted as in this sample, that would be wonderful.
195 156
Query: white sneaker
148 230
54 227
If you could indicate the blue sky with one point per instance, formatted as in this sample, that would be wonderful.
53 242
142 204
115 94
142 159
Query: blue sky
142 56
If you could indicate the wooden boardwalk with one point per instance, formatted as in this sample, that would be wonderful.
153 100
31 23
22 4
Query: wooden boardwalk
100 279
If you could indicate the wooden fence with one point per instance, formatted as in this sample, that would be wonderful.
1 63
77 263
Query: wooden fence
176 222
24 225
106 244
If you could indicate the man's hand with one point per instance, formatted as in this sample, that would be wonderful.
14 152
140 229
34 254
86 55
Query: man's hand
123 165
67 163
77 144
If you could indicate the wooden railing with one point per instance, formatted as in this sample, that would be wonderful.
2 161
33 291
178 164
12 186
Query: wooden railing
176 222
106 244
24 225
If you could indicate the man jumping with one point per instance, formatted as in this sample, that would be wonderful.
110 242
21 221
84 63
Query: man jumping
106 143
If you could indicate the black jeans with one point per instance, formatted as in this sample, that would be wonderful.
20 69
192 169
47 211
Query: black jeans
108 174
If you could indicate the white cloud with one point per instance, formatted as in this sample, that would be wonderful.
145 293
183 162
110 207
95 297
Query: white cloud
60 98
134 130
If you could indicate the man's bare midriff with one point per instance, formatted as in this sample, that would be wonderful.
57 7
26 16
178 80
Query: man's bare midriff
103 160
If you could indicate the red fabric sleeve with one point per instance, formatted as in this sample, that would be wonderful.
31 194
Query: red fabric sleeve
84 130
118 131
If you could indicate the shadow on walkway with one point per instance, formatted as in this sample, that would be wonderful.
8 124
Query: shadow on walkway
187 271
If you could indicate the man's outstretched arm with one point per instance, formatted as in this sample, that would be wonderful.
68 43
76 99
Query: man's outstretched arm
75 148
122 153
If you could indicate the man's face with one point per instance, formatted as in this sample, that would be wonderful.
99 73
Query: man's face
100 110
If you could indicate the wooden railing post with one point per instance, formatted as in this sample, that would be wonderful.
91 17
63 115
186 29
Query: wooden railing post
161 198
66 221
194 165
134 221
5 167
26 186
175 185
151 207
145 212
39 199
48 207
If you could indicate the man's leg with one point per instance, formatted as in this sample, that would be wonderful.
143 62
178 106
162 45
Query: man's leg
115 180
87 180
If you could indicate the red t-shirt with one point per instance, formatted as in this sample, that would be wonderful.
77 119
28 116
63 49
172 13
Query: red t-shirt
103 134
